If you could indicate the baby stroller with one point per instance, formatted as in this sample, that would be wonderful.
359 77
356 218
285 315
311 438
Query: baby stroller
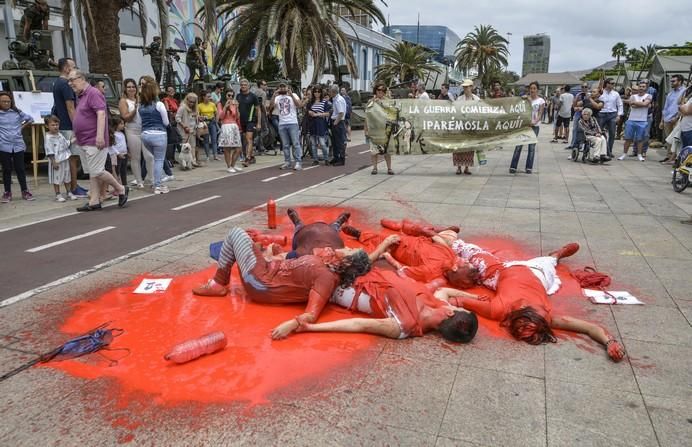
681 169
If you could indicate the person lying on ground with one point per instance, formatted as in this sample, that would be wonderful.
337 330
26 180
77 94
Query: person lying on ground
307 279
400 307
421 258
521 300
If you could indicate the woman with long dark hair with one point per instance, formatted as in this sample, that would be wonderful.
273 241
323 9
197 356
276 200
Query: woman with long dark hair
319 111
12 146
129 103
521 300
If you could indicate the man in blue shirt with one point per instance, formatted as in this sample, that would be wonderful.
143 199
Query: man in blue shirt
64 108
670 115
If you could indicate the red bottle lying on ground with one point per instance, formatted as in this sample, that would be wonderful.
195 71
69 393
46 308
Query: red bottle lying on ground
271 214
192 349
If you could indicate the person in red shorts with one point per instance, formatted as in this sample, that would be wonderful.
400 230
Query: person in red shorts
399 308
521 299
272 281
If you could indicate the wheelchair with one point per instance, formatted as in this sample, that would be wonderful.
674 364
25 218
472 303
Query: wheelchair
582 145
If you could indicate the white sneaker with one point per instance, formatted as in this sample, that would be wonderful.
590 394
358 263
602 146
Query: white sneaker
285 166
298 167
167 178
161 190
622 157
134 182
238 168
231 170
72 196
640 158
59 198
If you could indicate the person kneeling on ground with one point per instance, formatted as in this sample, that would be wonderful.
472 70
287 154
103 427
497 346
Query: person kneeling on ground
401 308
592 131
273 281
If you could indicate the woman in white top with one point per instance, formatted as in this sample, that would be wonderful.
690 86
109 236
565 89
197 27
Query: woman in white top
128 105
537 105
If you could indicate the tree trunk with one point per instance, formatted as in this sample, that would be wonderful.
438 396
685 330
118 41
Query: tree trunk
104 52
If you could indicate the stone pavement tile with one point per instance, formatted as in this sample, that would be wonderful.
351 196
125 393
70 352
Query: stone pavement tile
137 265
312 197
590 205
462 197
560 222
280 424
160 255
430 347
581 360
516 219
653 324
671 419
524 203
504 355
686 309
403 392
661 370
596 415
443 213
496 408
673 275
659 244
443 441
30 393
190 264
681 231
601 225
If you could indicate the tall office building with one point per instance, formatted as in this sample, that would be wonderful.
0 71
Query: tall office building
536 54
440 39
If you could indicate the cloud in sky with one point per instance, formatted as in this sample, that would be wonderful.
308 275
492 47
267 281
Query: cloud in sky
582 33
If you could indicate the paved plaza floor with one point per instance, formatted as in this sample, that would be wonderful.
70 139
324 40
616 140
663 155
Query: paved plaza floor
422 391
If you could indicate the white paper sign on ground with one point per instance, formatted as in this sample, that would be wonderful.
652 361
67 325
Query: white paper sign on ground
611 297
158 285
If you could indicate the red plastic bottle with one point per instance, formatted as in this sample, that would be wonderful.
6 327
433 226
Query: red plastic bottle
271 214
192 349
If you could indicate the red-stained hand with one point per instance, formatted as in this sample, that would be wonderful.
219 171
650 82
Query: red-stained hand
392 239
284 329
615 351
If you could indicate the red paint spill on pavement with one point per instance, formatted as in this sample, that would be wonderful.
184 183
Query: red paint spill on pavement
252 368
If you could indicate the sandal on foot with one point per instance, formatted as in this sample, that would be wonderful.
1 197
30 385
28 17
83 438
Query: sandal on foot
374 171
390 172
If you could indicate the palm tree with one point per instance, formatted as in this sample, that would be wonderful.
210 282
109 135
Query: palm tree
404 63
648 54
99 25
300 29
484 49
619 50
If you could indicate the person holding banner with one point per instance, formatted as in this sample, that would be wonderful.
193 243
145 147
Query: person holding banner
378 92
465 159
537 105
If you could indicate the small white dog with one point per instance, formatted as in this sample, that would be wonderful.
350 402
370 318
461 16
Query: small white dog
185 157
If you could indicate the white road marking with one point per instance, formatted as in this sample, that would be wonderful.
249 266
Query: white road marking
365 151
269 179
188 205
286 174
311 167
125 257
69 239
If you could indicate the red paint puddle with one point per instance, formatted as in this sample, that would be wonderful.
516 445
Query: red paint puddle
252 368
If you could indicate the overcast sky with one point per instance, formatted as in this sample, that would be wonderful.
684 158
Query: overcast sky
578 41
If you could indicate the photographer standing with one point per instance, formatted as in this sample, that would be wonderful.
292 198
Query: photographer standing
35 17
